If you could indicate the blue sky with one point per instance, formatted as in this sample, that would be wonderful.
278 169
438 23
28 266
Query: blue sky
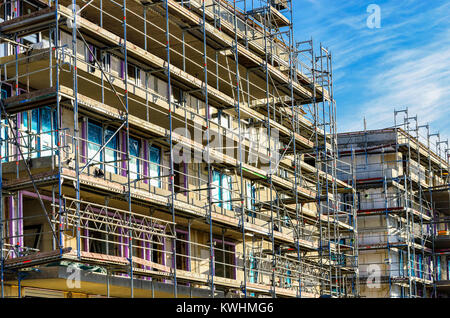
405 63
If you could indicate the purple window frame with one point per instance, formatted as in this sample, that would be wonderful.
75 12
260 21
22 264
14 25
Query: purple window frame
90 56
12 216
122 69
20 218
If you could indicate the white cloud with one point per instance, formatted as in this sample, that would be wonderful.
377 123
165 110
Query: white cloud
416 78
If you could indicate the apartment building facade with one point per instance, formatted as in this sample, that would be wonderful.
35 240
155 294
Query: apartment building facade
403 204
169 149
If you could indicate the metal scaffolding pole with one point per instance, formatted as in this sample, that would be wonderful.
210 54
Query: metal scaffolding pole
240 145
127 141
296 167
172 186
208 160
267 26
75 123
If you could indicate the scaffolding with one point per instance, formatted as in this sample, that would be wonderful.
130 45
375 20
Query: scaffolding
259 212
395 171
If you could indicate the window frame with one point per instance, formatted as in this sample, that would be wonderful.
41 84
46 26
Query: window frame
221 190
137 157
225 265
156 182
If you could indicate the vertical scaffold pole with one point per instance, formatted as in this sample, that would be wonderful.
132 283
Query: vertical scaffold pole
208 161
269 174
172 188
75 127
127 125
238 86
58 129
297 169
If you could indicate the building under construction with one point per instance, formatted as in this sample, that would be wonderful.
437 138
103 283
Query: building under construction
403 208
166 148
